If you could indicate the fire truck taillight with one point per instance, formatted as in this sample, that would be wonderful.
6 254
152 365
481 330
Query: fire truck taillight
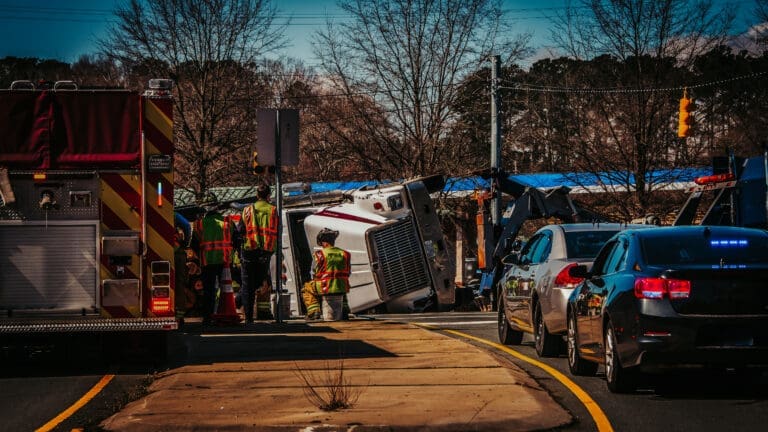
161 305
160 277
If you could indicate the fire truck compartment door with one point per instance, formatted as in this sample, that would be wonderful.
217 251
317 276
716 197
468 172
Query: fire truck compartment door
49 266
442 268
397 260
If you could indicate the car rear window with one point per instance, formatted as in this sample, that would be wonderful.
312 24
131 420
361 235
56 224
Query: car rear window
586 244
732 251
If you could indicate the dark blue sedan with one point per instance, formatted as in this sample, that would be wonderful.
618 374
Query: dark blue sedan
669 298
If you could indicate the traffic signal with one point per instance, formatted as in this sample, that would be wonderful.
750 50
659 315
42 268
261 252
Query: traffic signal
686 119
258 169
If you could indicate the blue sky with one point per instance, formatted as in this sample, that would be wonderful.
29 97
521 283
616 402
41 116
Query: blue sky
64 30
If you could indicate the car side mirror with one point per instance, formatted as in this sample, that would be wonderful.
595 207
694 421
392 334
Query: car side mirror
579 271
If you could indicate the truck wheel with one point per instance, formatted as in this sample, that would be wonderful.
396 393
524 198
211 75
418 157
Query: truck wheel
507 335
547 345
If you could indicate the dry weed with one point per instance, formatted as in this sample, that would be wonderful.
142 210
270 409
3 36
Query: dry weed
329 389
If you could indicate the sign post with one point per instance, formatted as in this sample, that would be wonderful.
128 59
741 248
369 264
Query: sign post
277 144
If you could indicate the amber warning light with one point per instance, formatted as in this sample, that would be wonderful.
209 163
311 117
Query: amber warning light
717 178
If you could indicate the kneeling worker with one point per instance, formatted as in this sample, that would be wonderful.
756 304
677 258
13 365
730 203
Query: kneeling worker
330 268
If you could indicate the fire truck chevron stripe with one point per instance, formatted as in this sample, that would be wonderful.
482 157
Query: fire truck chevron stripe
120 210
159 234
110 221
121 198
160 231
158 127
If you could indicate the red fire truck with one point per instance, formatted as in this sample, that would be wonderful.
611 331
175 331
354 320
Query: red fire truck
86 217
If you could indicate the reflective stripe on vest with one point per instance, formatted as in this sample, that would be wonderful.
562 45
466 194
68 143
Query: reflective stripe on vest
260 220
215 241
333 269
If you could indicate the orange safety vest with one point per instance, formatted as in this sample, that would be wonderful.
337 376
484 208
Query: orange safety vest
332 270
260 220
215 238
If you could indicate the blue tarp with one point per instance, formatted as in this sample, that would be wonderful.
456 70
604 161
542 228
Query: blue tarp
469 184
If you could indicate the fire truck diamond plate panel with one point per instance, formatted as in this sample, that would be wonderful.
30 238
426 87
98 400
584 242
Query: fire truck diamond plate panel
401 261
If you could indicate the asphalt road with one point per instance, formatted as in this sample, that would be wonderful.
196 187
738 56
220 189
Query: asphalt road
696 402
47 377
45 383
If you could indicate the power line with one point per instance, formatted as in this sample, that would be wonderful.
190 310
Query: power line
573 90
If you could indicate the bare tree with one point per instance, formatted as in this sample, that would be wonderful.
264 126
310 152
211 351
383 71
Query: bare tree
647 46
760 30
211 49
398 64
97 71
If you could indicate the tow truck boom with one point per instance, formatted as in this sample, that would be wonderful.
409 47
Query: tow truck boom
527 203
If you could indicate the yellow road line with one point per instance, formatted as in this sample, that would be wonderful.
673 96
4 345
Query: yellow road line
599 417
77 405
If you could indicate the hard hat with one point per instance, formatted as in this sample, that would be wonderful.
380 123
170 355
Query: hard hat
327 235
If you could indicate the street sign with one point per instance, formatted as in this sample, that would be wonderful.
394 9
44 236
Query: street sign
266 137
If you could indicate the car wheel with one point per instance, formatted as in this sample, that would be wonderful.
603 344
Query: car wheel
576 364
507 335
547 345
619 379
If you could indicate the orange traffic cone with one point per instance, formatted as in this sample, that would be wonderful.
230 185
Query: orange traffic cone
227 312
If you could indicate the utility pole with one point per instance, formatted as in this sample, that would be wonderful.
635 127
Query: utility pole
279 204
495 145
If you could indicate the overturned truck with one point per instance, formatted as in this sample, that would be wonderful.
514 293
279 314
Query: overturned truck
400 261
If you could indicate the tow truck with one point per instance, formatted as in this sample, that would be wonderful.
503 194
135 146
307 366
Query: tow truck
527 203
736 194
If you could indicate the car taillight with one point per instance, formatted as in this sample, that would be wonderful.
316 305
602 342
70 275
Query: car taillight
563 278
656 288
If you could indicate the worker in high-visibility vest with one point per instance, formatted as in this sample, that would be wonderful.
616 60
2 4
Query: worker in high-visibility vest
212 238
258 238
331 268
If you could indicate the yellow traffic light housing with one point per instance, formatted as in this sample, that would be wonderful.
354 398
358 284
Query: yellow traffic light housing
686 119
255 167
259 169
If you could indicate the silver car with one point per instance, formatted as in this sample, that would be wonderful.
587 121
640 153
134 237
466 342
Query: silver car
534 290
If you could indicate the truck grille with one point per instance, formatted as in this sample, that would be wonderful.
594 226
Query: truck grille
401 267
